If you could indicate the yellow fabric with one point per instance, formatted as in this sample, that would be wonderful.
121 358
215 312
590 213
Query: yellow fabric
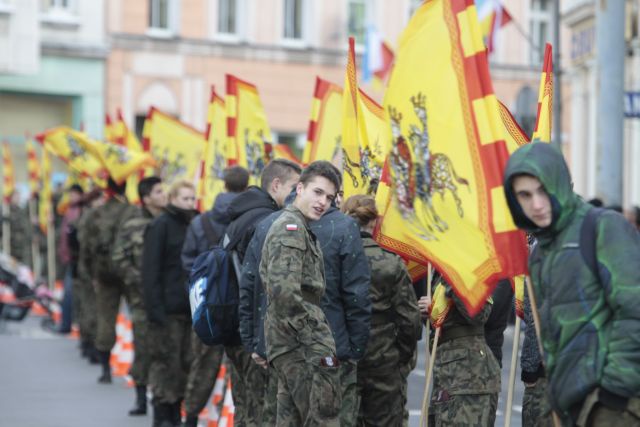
33 168
176 147
440 306
44 205
545 100
217 153
326 112
8 180
123 136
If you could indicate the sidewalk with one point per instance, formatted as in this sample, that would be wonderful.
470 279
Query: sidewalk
45 383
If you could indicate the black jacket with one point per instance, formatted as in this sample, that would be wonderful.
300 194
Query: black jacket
163 278
346 302
196 241
245 212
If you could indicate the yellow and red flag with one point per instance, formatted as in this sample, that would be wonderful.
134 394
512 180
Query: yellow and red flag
282 151
493 16
45 210
364 130
108 128
440 306
325 126
33 169
542 131
61 142
518 289
8 179
247 126
448 154
217 153
176 147
123 136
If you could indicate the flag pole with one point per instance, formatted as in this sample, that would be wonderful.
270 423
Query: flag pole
6 228
51 254
35 240
512 372
425 398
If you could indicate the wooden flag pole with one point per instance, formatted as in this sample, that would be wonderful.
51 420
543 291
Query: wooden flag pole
35 241
6 228
51 254
432 362
512 372
536 323
425 399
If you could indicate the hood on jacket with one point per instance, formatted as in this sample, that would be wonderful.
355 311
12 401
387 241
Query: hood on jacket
254 197
219 211
547 164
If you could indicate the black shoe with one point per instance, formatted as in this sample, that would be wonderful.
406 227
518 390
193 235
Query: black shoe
140 407
93 355
105 378
190 421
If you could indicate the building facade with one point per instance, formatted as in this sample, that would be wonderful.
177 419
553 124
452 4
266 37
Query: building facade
54 73
579 16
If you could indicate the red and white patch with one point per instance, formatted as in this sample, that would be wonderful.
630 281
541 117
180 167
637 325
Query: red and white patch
292 227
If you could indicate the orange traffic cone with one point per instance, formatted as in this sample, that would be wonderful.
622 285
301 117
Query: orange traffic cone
228 410
216 397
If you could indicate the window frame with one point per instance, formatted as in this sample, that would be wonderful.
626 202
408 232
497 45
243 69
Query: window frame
173 19
368 6
537 18
305 25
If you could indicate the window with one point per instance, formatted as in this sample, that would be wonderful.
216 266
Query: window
293 19
527 109
357 20
539 29
159 14
47 5
228 16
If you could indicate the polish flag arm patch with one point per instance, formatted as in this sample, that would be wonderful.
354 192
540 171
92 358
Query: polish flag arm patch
292 227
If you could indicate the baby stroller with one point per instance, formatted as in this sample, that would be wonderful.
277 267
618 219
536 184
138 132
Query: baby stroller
18 292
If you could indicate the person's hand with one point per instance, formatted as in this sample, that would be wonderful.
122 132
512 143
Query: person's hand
424 303
259 360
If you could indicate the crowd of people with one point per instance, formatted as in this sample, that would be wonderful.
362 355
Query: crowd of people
329 321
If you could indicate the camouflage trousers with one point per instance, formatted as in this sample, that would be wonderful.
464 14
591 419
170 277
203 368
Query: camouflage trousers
202 375
85 295
595 414
248 387
270 404
141 357
309 394
381 397
350 395
536 410
108 304
170 358
466 384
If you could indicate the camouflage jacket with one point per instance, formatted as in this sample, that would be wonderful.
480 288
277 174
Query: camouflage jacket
101 229
292 271
395 317
128 247
84 256
464 362
19 225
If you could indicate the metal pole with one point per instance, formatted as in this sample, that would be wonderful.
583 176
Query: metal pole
51 254
610 53
6 228
35 240
557 78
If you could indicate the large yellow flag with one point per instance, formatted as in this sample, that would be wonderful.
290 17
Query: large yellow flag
33 168
542 131
176 147
123 136
325 126
44 205
448 154
364 139
8 180
247 126
62 143
217 152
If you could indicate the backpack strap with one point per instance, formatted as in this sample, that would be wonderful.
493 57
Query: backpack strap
209 232
588 236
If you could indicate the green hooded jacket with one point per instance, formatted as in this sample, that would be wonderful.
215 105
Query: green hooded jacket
590 323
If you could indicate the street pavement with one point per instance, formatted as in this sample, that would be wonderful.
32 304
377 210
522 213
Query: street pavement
45 383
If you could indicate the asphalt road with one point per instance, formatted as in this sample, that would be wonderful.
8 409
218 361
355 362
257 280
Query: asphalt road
44 383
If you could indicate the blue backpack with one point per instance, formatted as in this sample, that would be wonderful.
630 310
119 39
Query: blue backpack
213 296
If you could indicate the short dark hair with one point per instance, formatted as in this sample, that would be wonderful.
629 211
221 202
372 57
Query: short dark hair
76 188
236 179
324 169
278 168
145 186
